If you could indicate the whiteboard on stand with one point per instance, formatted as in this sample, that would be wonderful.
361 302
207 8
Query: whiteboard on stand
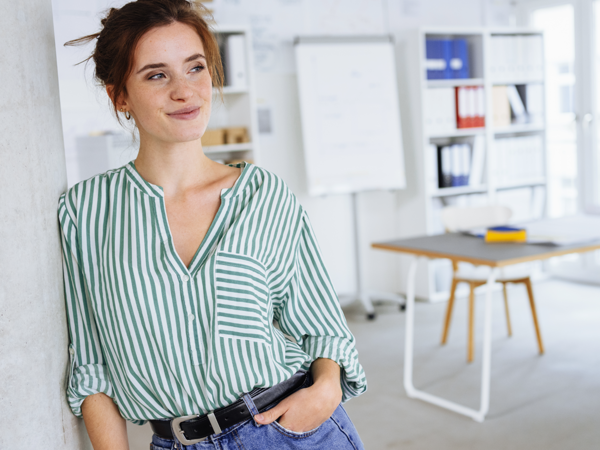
350 115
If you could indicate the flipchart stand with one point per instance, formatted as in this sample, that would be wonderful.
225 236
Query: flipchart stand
352 143
361 294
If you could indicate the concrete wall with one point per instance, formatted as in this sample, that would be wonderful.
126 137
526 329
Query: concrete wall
33 333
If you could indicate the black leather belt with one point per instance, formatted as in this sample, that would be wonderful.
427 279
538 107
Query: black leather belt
192 429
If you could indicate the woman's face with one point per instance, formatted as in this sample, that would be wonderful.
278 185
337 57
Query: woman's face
169 91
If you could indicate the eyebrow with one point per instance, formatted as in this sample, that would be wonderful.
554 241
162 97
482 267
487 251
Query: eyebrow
159 65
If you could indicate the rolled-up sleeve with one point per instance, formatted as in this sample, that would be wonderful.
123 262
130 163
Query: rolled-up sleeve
311 314
88 373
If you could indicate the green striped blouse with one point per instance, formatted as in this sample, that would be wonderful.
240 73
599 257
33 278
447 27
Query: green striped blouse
166 340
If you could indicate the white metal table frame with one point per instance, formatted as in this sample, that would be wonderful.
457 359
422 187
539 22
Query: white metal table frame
412 392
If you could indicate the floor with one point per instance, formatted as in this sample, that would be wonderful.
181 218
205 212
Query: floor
537 402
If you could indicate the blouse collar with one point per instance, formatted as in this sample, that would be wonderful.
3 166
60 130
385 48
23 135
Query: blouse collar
154 190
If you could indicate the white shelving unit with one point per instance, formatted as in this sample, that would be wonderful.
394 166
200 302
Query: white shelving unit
427 200
237 109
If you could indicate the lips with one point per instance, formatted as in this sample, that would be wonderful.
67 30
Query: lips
191 112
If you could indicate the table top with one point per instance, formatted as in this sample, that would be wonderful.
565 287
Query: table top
465 248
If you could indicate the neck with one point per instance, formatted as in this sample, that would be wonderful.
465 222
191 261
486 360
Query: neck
175 167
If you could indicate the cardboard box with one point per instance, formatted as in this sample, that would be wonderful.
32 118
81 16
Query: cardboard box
237 135
215 136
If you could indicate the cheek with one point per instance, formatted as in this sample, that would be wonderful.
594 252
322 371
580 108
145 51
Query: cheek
205 83
206 93
140 99
148 106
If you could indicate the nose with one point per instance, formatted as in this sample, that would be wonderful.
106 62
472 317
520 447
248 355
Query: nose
180 88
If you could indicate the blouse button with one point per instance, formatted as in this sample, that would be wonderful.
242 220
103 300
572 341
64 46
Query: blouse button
72 351
186 278
191 317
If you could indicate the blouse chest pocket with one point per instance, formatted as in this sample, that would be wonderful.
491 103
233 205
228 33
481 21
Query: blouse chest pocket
242 298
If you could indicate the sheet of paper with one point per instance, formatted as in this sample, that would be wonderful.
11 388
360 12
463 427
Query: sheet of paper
350 116
564 231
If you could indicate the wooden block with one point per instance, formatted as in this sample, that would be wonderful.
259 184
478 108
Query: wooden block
215 136
237 135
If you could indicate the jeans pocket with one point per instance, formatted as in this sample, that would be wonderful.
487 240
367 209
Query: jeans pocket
295 434
164 445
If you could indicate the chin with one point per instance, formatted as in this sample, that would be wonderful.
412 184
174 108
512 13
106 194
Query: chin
187 135
188 138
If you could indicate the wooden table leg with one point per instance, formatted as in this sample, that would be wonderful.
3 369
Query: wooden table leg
534 313
508 325
449 310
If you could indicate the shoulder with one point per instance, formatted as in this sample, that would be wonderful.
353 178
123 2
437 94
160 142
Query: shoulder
270 186
87 193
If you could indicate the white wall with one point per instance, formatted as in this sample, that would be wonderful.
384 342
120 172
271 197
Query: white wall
274 24
33 330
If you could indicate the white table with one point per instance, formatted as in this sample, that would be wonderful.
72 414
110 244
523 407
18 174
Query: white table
463 248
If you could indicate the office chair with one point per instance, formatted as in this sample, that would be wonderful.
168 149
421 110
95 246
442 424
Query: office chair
459 219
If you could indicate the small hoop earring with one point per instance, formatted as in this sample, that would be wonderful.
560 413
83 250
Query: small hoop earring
127 115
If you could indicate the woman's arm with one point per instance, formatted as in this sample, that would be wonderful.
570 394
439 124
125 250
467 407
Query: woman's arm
308 408
105 426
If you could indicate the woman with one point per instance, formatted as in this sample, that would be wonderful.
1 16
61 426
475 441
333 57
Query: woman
176 268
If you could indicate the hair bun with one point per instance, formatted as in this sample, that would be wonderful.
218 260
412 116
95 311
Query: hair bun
109 15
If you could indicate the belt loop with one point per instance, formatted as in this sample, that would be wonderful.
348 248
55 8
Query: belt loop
176 444
251 407
214 423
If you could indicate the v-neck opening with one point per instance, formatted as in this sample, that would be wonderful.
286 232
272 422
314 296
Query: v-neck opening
225 195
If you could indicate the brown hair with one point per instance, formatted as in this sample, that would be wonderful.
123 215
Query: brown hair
122 29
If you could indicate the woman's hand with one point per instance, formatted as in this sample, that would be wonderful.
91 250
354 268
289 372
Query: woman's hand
308 408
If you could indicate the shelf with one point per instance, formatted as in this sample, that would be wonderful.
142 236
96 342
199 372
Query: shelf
244 147
458 133
446 31
459 190
501 175
518 31
231 29
234 107
525 183
232 90
516 82
519 128
455 82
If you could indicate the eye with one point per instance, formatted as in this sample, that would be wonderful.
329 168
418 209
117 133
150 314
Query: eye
198 68
156 76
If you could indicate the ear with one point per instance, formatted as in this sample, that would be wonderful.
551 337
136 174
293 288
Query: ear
120 102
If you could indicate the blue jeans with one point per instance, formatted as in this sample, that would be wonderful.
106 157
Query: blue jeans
336 433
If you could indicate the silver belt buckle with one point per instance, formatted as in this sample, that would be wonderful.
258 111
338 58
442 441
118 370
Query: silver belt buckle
178 432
